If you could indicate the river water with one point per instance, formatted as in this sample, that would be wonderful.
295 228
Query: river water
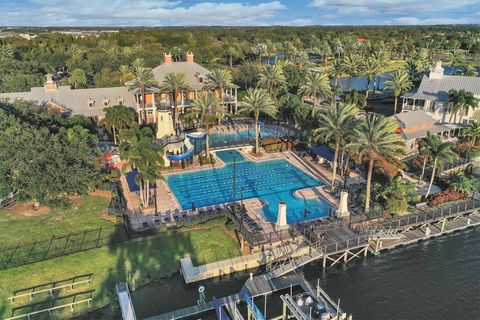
433 280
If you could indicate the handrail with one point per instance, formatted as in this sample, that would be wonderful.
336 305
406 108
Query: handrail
89 300
412 219
30 294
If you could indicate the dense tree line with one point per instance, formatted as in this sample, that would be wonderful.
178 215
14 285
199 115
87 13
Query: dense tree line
92 61
44 156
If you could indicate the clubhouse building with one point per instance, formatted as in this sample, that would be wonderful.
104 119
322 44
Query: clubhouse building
158 103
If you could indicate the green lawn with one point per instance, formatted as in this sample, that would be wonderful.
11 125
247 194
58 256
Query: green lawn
141 260
84 214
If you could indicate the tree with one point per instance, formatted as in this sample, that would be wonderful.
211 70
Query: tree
258 101
138 147
455 56
371 68
467 71
316 85
375 137
437 150
270 77
219 79
398 82
352 66
142 78
174 83
118 118
206 108
334 123
460 102
287 106
126 74
77 78
356 98
64 159
472 131
232 52
6 53
460 182
336 69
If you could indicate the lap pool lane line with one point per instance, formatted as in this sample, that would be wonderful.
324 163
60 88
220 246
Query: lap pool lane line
192 189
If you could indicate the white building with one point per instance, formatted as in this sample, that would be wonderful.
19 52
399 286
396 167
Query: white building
432 95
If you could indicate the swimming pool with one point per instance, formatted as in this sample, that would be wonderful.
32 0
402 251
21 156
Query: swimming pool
271 181
219 138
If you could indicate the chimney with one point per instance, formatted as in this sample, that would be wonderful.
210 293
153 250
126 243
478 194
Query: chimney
50 85
189 57
437 71
167 58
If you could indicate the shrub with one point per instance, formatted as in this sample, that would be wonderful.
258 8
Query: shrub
443 197
396 205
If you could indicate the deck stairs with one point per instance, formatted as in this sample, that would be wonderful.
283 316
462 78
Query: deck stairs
291 264
380 232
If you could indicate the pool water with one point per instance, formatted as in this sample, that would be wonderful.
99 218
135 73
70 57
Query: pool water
248 134
271 181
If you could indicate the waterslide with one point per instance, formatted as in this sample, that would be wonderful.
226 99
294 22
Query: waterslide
190 148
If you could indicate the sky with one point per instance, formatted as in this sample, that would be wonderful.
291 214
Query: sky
236 12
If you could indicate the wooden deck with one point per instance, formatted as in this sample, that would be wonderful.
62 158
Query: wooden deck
419 234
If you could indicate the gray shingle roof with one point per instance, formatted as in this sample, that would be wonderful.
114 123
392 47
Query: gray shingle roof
76 100
437 89
413 119
190 69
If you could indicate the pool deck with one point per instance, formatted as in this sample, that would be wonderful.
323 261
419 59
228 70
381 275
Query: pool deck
168 205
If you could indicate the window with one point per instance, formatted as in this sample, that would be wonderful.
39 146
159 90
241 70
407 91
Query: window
91 103
200 79
120 102
106 102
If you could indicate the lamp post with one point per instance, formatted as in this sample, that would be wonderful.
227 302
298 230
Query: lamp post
234 180
241 196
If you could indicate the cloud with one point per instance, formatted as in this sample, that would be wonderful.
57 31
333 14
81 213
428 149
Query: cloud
299 22
430 21
137 13
394 6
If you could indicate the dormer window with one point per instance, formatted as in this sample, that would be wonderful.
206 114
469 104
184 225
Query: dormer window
91 103
106 102
199 77
120 102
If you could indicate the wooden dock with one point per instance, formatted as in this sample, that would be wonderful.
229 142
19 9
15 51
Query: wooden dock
436 229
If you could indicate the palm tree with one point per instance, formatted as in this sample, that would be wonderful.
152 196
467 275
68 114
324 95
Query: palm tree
260 49
118 118
316 85
219 79
258 101
375 137
356 98
467 71
175 82
455 56
472 131
126 74
437 150
6 53
270 77
351 65
232 52
460 182
371 68
333 123
398 82
460 102
138 147
142 78
77 78
335 69
206 108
